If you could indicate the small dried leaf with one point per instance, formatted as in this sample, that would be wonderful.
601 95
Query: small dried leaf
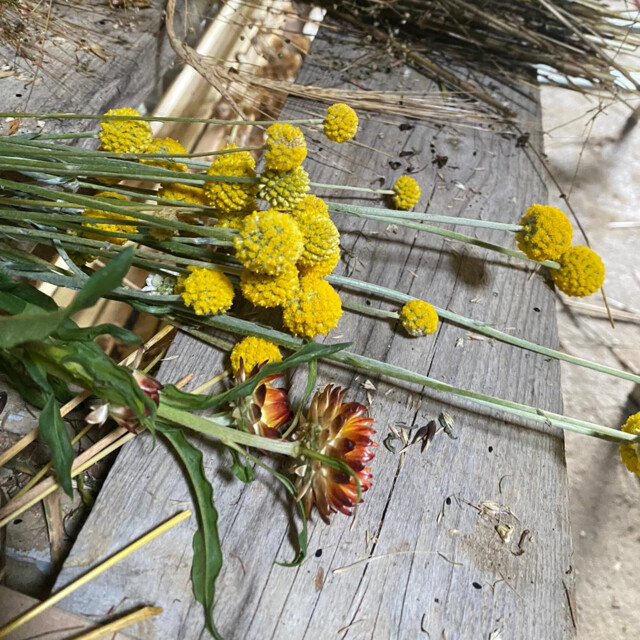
14 126
446 422
388 442
367 384
505 532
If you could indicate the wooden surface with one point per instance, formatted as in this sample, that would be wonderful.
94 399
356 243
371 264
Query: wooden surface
53 624
107 57
422 558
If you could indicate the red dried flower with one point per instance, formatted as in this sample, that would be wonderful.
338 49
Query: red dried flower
340 430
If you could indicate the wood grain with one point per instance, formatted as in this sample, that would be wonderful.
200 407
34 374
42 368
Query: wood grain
422 557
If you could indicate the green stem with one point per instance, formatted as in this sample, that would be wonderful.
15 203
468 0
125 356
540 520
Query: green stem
344 187
483 328
352 209
243 327
87 116
226 435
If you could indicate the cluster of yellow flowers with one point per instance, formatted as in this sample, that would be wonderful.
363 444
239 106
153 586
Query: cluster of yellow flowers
546 234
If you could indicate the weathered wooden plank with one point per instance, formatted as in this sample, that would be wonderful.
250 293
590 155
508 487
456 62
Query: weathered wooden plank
422 555
108 57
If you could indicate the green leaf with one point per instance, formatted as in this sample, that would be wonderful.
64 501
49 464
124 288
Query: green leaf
26 292
103 281
307 353
54 434
90 333
303 533
23 327
207 552
241 470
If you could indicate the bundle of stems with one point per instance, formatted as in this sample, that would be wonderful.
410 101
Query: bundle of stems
569 43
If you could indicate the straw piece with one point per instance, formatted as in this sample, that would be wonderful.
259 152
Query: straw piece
16 623
125 621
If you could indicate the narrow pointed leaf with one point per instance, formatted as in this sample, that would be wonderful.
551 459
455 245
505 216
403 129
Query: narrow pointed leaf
54 434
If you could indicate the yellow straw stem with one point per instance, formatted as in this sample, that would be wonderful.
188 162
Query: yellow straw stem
16 623
126 621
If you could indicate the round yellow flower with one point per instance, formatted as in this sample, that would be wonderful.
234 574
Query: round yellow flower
283 190
546 233
286 147
340 123
208 291
170 147
312 206
253 351
269 291
183 193
230 197
109 227
124 136
407 192
322 268
321 238
630 452
315 309
418 318
230 221
581 272
269 242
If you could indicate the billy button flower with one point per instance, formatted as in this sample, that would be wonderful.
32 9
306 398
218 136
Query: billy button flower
269 242
322 268
407 193
546 233
231 197
630 452
286 147
340 430
267 410
581 272
269 291
253 351
340 123
164 233
418 318
170 147
321 237
183 193
110 227
283 190
310 206
208 291
124 136
314 310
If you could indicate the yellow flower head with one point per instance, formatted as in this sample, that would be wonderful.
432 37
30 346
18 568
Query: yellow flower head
418 318
283 190
581 272
170 147
208 291
231 196
340 123
124 136
109 227
322 268
546 233
407 192
183 193
630 452
269 242
286 147
269 291
321 238
230 221
164 232
312 206
253 351
315 309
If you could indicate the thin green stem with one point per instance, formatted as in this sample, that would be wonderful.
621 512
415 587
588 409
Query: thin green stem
352 209
226 435
87 116
244 327
344 187
483 328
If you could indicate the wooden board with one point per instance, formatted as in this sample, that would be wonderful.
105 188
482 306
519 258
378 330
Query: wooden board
422 558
